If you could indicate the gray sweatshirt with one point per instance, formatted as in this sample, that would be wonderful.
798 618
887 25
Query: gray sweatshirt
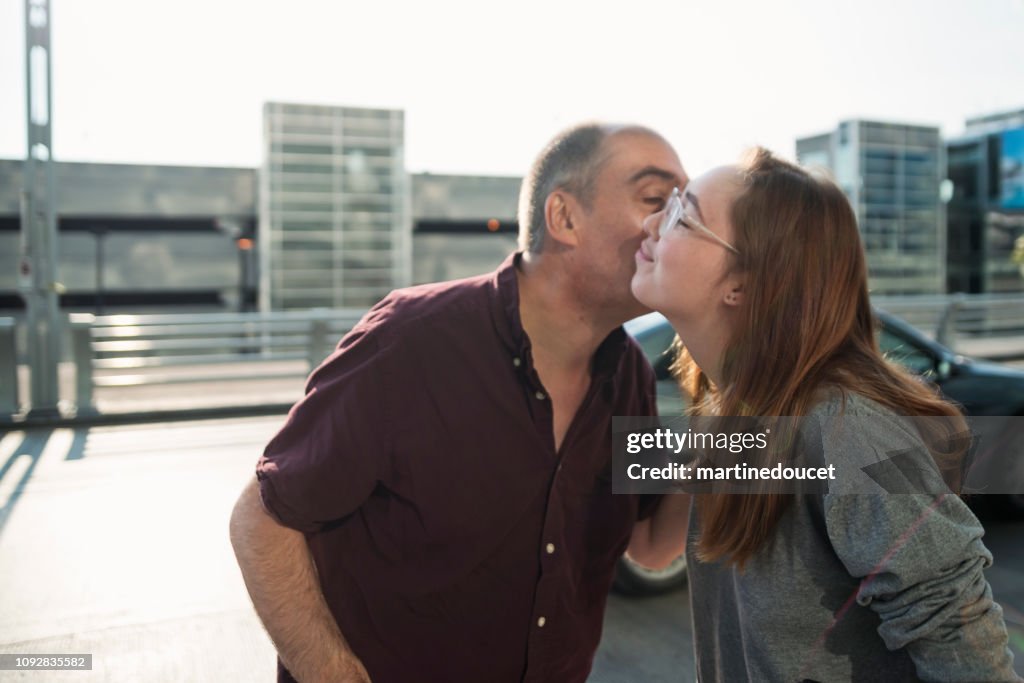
855 586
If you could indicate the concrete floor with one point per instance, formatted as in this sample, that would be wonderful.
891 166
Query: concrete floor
113 541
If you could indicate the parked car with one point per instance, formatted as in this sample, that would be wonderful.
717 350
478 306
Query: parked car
980 388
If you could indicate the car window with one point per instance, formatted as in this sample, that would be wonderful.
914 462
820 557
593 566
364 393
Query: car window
655 341
900 350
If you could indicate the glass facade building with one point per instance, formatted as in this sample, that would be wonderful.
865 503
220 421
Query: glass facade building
334 226
134 238
150 239
986 212
891 172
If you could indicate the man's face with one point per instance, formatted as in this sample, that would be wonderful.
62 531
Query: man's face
637 176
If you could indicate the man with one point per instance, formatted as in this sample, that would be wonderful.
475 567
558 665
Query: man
438 507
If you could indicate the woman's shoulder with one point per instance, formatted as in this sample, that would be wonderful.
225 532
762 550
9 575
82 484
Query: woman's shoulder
854 416
872 446
836 402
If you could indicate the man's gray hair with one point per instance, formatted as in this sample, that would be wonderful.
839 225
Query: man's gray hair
570 162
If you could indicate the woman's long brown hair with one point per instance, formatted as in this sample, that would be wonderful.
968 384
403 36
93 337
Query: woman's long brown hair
805 324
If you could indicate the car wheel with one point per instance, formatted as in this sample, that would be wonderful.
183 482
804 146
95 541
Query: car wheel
633 579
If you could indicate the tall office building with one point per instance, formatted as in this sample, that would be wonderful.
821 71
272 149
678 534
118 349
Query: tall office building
994 123
334 227
986 212
891 173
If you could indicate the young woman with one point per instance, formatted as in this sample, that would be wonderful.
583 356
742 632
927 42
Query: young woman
760 270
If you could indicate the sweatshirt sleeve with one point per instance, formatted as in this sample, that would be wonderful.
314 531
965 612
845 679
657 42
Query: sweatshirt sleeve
920 561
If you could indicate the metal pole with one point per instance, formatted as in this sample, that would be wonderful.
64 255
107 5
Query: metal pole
82 353
945 334
37 266
8 371
100 233
243 257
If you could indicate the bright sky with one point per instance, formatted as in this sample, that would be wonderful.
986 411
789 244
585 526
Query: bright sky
485 84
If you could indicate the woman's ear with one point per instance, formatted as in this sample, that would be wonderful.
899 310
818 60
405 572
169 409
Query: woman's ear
734 295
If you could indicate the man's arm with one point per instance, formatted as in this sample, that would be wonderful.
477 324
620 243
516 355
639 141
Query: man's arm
282 581
661 538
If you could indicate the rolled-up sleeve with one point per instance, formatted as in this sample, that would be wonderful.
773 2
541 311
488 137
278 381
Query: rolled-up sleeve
335 447
920 559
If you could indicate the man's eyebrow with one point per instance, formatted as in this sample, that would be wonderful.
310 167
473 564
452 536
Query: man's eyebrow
692 198
653 171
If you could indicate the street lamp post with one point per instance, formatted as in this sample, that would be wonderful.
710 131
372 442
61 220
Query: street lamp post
242 239
37 266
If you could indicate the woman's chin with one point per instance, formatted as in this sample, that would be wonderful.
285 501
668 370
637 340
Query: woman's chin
639 291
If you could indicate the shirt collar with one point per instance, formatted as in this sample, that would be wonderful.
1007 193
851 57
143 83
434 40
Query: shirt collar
505 310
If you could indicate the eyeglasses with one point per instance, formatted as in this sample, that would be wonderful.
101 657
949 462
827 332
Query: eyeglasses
675 215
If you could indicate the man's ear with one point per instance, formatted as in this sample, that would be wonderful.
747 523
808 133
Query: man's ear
560 210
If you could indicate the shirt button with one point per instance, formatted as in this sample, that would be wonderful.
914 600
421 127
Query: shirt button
541 622
516 362
550 548
540 396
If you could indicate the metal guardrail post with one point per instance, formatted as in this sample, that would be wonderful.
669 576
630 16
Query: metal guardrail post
319 342
81 352
945 333
8 370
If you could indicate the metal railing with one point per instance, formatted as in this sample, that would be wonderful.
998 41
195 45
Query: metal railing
143 350
962 322
124 351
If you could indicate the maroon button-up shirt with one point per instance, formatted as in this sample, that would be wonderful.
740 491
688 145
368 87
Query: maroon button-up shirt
452 541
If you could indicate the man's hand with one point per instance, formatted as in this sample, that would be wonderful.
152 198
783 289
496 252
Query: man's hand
282 581
660 539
